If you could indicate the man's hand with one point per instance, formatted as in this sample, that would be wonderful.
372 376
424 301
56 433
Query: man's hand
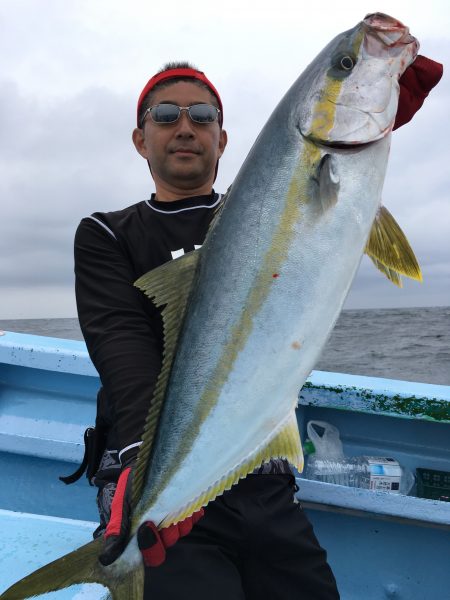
152 543
117 530
415 84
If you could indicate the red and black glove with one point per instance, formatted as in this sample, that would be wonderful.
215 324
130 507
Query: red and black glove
415 84
116 534
152 543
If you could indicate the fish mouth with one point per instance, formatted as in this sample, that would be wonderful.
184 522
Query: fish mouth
390 31
350 146
347 146
384 31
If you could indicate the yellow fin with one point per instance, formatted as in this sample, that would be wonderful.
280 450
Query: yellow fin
283 443
389 249
79 566
390 274
170 286
218 211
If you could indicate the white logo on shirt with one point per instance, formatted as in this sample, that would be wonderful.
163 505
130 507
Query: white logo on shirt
180 252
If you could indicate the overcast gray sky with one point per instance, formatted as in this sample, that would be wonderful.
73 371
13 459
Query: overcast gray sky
70 75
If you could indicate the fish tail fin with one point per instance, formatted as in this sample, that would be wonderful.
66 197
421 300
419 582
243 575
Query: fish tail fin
80 566
130 587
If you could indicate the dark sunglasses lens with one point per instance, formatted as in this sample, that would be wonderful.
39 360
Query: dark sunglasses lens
165 113
203 113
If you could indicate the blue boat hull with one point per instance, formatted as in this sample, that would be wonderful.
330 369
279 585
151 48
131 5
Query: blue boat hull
379 545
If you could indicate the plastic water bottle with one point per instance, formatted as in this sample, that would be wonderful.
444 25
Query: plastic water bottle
326 462
377 473
352 472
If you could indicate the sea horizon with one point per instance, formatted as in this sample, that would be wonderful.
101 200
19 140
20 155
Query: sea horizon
411 344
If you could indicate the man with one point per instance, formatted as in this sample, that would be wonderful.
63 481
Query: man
254 541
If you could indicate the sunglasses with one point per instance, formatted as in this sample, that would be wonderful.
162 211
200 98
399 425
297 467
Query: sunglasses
170 113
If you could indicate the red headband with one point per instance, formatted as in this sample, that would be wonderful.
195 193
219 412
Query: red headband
175 73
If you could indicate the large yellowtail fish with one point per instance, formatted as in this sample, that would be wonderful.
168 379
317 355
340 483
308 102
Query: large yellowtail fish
247 316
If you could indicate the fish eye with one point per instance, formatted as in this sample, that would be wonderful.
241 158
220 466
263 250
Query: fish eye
342 64
346 62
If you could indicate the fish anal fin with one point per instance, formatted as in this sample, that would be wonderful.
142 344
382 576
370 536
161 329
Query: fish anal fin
389 249
284 443
169 286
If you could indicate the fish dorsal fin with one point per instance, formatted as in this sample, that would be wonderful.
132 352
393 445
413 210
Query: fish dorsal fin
218 211
170 286
389 249
284 442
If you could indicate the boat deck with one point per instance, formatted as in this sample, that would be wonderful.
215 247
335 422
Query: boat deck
29 541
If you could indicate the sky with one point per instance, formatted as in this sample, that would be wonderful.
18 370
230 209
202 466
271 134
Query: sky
71 73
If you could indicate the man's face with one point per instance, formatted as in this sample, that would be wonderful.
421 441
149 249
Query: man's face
184 154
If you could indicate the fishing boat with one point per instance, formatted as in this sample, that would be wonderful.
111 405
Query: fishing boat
380 545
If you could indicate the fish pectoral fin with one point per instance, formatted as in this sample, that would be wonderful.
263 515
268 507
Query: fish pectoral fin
390 273
170 286
284 443
389 249
327 183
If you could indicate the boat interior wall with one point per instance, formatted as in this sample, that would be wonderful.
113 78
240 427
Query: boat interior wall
31 485
380 560
381 545
46 403
416 436
44 413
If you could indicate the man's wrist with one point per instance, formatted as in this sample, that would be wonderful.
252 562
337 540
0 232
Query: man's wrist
128 455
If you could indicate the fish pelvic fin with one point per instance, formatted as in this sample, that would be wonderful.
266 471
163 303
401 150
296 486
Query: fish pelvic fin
284 442
389 249
170 286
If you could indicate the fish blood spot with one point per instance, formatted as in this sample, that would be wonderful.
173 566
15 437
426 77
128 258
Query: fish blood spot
275 275
296 345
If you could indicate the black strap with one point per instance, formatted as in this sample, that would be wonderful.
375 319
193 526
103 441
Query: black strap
89 434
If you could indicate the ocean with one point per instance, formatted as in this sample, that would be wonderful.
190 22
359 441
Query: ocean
407 343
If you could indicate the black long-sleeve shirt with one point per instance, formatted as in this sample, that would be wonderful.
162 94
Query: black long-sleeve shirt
122 328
